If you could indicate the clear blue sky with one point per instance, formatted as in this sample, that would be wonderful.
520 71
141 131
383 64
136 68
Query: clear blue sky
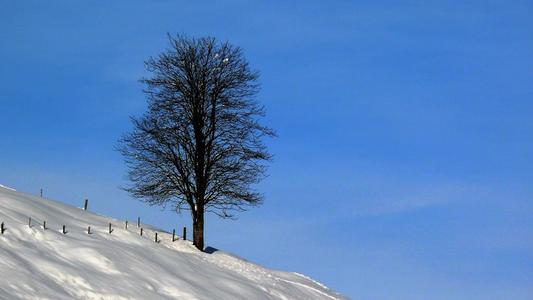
404 163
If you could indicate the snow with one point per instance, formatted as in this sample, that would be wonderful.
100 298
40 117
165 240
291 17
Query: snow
45 264
6 187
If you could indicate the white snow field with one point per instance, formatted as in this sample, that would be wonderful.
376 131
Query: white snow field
38 263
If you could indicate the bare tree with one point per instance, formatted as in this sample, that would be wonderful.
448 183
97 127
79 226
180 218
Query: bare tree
199 145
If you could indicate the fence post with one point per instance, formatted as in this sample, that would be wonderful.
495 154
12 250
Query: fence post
173 235
2 228
156 237
88 229
141 231
64 230
110 230
85 204
184 233
41 193
44 225
29 222
138 221
126 225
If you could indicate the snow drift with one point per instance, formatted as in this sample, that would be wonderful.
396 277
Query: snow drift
38 263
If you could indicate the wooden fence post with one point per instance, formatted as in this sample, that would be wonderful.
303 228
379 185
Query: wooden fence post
184 233
29 222
88 229
64 230
44 225
2 228
126 225
156 237
138 221
173 235
85 204
110 229
141 231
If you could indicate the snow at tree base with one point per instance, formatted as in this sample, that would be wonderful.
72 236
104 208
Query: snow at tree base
38 263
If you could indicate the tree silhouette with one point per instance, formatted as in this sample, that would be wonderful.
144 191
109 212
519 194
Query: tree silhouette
199 146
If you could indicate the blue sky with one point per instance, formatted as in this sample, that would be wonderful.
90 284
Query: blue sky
404 163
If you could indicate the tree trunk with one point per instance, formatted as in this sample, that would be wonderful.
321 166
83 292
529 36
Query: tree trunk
198 230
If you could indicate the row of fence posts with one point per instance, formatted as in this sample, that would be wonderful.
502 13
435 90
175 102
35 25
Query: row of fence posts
110 230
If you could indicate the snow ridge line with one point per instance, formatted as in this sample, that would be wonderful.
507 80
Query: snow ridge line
7 188
308 287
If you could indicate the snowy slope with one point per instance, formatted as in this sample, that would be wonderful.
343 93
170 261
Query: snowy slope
46 264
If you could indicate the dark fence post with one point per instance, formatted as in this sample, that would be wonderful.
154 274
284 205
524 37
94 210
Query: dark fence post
85 204
110 229
88 229
126 225
29 222
41 193
138 221
44 225
173 235
64 230
2 228
184 233
156 237
141 231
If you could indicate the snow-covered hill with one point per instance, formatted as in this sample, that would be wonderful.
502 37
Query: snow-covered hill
46 264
